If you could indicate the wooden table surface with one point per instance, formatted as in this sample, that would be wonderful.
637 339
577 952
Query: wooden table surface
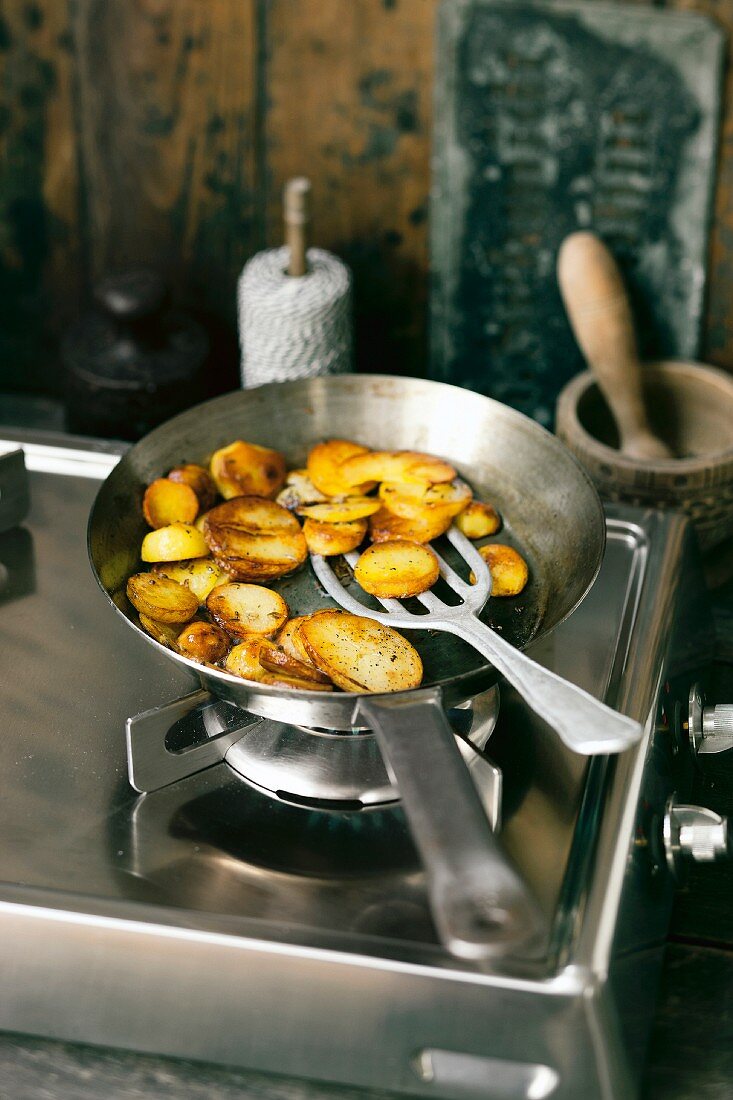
691 1049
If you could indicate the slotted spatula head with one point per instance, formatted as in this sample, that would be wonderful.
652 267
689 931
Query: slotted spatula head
473 596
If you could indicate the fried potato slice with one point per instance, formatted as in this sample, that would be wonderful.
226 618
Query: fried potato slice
275 658
299 490
167 502
198 479
161 599
397 569
509 570
421 499
334 538
201 575
343 511
243 609
246 469
478 520
177 542
384 526
165 633
288 640
244 659
254 539
396 466
205 642
324 466
253 514
360 654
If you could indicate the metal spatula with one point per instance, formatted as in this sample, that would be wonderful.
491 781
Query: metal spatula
583 723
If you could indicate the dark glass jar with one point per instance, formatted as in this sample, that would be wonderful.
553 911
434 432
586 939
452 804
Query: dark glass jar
133 361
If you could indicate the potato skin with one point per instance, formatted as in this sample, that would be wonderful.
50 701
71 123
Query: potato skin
478 520
397 569
161 599
247 469
205 642
328 539
167 502
509 570
198 479
165 633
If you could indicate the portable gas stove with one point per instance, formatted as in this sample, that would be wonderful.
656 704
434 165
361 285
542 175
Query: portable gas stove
251 911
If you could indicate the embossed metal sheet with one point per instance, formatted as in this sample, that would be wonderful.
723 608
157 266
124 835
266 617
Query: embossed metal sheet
550 118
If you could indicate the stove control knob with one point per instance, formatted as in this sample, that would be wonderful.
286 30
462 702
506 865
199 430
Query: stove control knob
694 832
710 728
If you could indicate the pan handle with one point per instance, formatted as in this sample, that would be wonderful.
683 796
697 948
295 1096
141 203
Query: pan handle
481 907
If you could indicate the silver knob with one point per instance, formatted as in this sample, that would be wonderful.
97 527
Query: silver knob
710 728
693 832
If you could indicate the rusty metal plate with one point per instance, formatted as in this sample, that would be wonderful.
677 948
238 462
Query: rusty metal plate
551 118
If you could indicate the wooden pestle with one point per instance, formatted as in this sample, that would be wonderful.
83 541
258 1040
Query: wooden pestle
600 315
296 213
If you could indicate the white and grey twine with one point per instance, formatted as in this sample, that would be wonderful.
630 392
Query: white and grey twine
293 327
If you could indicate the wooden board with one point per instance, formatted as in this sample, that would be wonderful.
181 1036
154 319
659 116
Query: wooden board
349 104
552 117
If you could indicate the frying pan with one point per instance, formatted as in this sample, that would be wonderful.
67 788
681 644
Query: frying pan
550 510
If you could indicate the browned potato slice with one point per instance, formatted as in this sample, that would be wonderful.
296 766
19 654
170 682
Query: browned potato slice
343 511
252 514
167 502
200 575
276 659
420 499
204 642
177 542
359 654
478 520
288 640
298 491
161 599
246 469
384 525
509 572
198 479
254 539
243 609
244 659
165 633
334 538
397 569
324 463
394 466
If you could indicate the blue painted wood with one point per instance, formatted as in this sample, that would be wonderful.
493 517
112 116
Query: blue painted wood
552 117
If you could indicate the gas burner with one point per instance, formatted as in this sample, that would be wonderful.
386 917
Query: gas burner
314 768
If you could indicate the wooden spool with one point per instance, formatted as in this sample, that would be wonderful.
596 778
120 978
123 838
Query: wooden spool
658 434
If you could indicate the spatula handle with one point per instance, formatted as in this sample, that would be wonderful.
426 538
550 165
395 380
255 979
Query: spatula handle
480 904
600 315
582 722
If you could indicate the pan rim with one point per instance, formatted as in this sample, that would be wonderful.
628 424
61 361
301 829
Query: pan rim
473 680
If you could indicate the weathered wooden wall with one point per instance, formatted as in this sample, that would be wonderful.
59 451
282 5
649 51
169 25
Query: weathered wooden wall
161 131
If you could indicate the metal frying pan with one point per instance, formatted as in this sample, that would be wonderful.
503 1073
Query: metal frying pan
550 510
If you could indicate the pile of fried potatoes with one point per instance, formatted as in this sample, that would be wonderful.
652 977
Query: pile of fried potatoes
219 535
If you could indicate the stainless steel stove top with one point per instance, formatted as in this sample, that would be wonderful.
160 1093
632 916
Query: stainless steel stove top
212 920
